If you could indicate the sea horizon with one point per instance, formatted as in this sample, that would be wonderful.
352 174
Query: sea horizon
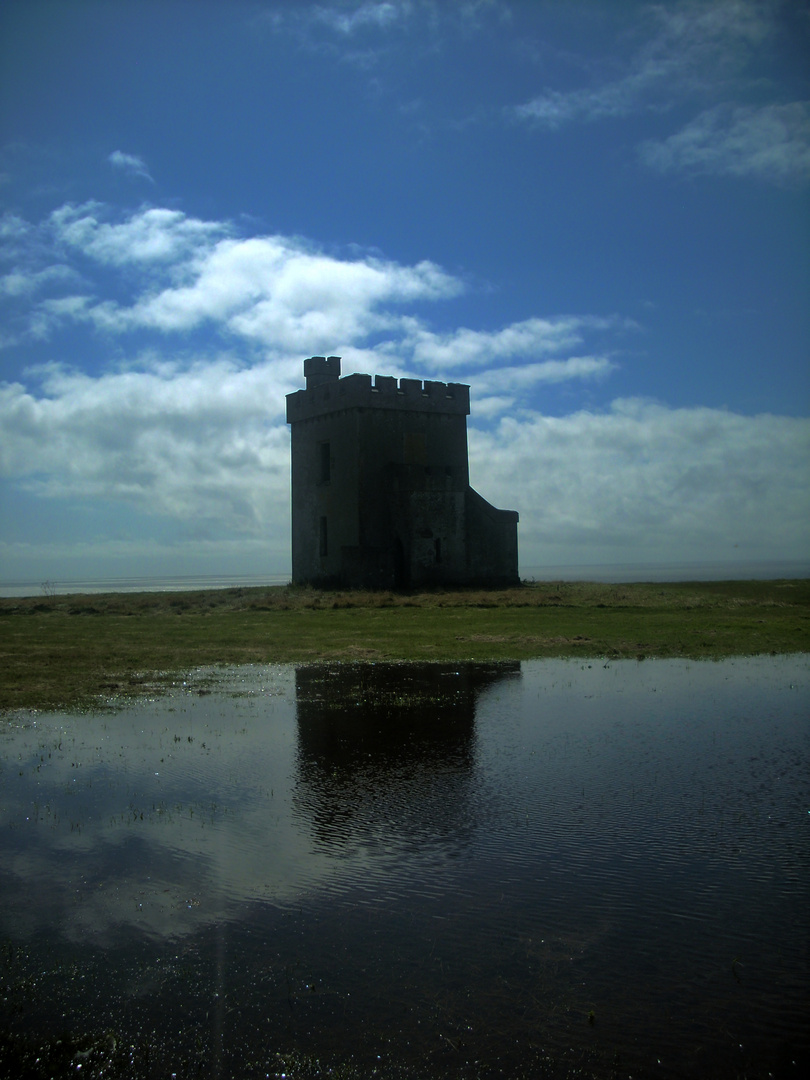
605 573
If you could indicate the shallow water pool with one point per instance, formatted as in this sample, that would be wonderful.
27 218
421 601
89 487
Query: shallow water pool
551 868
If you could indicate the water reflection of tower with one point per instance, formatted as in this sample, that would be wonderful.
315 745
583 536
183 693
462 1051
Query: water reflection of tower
386 753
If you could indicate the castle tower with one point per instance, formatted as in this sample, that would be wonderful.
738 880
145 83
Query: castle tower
380 486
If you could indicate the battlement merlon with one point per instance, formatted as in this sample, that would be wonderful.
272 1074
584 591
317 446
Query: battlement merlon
319 370
327 393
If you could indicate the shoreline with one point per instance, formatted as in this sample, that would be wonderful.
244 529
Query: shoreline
598 573
75 651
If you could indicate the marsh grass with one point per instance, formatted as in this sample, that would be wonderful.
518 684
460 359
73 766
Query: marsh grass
78 650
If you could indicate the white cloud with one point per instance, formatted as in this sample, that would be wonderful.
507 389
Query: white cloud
206 445
692 49
379 14
181 273
552 371
492 405
531 338
131 164
50 314
697 52
516 379
21 282
352 18
158 270
771 142
280 292
13 228
35 266
644 483
200 442
151 235
367 33
503 389
314 297
553 108
358 32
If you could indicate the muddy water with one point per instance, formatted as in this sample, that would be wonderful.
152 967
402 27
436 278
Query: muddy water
538 869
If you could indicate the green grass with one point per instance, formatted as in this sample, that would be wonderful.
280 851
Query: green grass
69 651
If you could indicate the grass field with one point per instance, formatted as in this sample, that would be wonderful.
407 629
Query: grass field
74 651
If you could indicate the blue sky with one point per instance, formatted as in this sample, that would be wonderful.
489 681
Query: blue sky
594 213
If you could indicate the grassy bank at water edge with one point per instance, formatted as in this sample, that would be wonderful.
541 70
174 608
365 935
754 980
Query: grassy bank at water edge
69 651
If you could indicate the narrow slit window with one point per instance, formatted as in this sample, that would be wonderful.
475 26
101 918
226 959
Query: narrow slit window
437 545
324 537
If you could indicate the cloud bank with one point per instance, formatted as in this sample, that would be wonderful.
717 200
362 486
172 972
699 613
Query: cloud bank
644 483
281 292
190 434
208 446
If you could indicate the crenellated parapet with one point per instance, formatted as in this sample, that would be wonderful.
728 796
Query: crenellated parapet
327 393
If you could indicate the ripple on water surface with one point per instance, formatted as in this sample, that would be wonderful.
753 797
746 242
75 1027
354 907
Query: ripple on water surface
555 867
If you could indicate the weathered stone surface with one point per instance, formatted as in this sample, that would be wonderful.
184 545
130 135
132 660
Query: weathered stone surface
380 486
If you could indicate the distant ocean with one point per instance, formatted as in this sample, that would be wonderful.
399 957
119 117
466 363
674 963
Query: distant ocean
183 583
741 571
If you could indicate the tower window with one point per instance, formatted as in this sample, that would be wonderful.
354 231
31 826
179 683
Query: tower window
323 538
437 547
325 463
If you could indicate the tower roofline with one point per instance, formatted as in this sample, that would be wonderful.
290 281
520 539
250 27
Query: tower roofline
327 393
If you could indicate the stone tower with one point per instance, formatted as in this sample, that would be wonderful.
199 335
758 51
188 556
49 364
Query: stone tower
380 486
